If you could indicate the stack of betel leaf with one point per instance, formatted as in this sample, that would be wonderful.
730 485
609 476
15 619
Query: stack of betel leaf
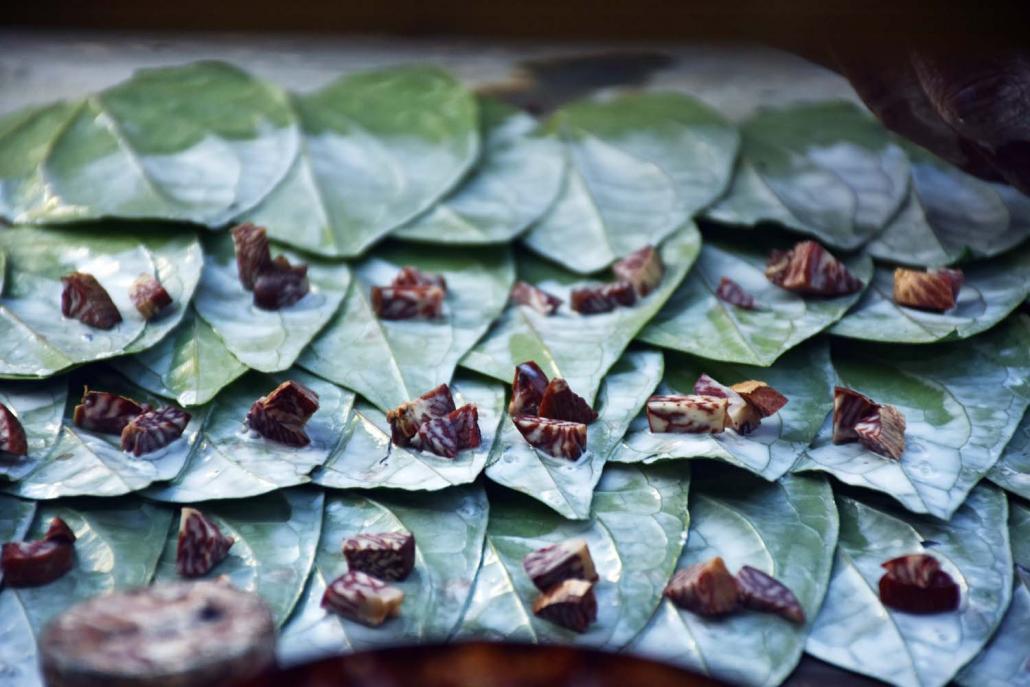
415 366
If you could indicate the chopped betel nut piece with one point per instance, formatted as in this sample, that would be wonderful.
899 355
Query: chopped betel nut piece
883 432
362 598
559 402
849 407
567 560
411 276
591 300
446 436
197 633
406 418
544 303
571 604
153 430
704 588
281 415
107 413
281 285
12 435
687 414
935 289
762 592
527 389
386 555
35 563
765 399
642 268
554 437
149 297
85 300
253 256
740 415
201 545
733 293
916 584
407 302
810 269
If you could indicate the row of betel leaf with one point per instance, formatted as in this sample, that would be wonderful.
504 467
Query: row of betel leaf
625 173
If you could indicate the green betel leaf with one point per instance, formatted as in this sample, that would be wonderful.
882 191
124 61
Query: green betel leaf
39 407
961 402
640 165
635 534
565 485
1012 471
378 149
201 143
266 340
365 458
696 321
275 540
855 631
67 460
514 183
117 547
824 169
36 340
579 348
805 376
15 517
448 526
992 290
231 462
787 529
392 361
190 365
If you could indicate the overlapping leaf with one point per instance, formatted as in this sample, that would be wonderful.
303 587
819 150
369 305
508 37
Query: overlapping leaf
635 534
448 526
961 402
825 169
787 529
695 321
516 180
36 340
857 632
805 376
201 142
568 486
579 348
392 361
379 148
1012 471
365 458
39 408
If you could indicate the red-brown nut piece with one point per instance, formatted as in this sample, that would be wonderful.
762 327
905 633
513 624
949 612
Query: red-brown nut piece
544 303
849 407
733 293
765 399
362 598
406 418
386 555
446 436
59 531
35 563
201 545
935 290
153 430
691 414
642 268
104 412
149 297
527 389
281 285
707 588
253 257
762 592
411 276
916 584
407 302
566 560
281 415
591 300
556 438
740 415
559 402
570 604
84 299
810 269
12 435
883 432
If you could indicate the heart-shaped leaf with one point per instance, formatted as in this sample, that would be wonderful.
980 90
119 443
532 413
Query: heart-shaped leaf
825 169
39 407
201 142
15 517
787 529
991 291
36 340
266 340
514 183
1012 471
392 361
448 526
275 540
961 401
565 485
118 543
854 630
805 376
230 461
579 348
379 148
635 534
696 321
366 458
